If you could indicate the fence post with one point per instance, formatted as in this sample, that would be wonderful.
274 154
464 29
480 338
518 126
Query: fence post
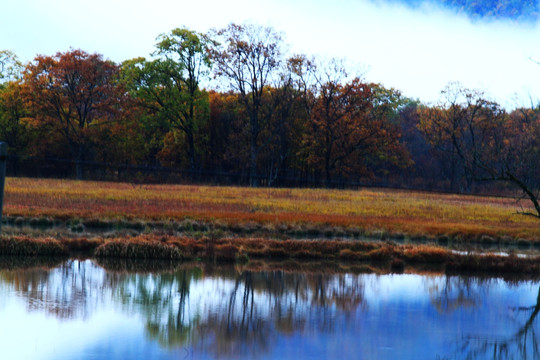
3 156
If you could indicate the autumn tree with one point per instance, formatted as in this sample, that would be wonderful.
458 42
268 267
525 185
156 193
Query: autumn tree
289 108
13 128
247 57
225 131
74 93
169 85
512 155
348 131
490 144
459 127
428 163
393 156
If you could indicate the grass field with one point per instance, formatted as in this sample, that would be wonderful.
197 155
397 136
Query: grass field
370 212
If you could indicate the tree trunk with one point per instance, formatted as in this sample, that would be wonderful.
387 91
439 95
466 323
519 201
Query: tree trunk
327 169
79 163
191 154
253 178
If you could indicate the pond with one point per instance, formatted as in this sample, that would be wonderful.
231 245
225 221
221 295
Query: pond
81 309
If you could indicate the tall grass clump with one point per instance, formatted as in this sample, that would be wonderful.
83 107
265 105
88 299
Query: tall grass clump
25 246
138 248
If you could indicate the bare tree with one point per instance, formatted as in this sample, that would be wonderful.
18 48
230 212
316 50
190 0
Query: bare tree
248 57
490 144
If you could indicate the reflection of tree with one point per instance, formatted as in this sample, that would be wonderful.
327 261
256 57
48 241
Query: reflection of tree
468 292
64 291
523 344
455 293
262 304
246 311
18 262
161 300
227 311
128 265
177 329
242 326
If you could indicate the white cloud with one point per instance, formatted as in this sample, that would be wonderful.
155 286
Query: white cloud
416 51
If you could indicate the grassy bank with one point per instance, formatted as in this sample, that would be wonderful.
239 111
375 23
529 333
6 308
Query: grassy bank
185 223
384 214
243 250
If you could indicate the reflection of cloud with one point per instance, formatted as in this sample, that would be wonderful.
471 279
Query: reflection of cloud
51 339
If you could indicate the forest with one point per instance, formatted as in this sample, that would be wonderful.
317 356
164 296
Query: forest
232 106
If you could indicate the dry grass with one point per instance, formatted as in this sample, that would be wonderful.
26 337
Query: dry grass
242 250
30 247
138 248
368 212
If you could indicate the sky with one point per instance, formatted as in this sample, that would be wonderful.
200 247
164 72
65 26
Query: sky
415 49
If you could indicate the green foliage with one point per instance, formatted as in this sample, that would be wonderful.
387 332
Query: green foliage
10 67
13 128
167 87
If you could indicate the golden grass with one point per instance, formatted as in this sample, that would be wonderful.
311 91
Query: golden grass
390 211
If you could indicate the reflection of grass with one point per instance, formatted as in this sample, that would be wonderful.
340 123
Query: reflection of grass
383 213
25 262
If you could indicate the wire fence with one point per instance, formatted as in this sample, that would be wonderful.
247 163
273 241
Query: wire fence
50 167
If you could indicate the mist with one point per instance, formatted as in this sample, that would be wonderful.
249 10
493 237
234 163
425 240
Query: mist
415 46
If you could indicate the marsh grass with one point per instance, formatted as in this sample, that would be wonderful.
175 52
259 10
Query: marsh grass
137 248
389 214
396 257
245 250
241 225
29 247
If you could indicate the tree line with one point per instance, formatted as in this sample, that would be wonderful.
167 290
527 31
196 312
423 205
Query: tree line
234 101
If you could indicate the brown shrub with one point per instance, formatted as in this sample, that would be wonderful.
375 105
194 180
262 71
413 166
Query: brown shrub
226 252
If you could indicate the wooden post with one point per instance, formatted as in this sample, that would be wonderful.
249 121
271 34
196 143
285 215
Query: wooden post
3 156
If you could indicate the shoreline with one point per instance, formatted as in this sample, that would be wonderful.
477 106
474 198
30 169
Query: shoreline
388 255
90 227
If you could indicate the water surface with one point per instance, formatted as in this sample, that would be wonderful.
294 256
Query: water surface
78 309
